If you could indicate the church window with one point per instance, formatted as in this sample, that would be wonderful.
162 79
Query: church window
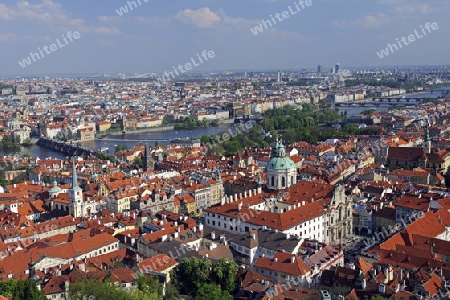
283 181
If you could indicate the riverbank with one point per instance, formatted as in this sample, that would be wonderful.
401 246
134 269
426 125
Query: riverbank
152 129
157 129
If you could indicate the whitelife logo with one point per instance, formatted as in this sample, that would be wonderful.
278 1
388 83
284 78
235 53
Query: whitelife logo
265 24
411 38
187 67
49 49
124 9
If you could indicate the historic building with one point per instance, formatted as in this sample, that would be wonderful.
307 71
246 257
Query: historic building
339 217
281 170
419 157
148 161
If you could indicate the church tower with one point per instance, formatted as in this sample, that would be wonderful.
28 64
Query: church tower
427 142
148 161
281 170
75 195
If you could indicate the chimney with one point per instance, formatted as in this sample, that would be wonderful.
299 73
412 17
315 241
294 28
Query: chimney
194 229
163 238
240 206
364 284
254 236
175 234
200 227
292 259
288 236
206 255
213 235
275 259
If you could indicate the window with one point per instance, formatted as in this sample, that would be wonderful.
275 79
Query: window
283 181
273 180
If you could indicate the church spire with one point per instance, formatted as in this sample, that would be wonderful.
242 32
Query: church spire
75 186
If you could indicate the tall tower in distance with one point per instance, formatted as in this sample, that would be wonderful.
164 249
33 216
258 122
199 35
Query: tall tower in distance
336 68
319 69
279 77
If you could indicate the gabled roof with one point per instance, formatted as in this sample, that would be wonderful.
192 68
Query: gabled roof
284 263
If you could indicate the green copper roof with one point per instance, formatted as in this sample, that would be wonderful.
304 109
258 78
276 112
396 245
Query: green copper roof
281 163
279 160
55 188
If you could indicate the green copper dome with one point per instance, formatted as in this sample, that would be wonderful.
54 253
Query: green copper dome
279 161
55 188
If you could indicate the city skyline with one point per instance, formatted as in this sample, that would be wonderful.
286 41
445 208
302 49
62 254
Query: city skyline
157 36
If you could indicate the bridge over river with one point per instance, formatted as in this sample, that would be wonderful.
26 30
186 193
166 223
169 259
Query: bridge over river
67 148
375 102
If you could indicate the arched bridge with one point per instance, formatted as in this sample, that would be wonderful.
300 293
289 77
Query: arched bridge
68 148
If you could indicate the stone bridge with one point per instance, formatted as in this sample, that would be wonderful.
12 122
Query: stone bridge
382 102
69 148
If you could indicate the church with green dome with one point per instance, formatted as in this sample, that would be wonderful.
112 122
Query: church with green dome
281 172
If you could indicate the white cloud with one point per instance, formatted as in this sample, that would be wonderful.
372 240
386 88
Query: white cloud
8 37
374 20
202 17
49 13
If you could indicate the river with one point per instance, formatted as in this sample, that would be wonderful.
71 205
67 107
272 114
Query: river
130 139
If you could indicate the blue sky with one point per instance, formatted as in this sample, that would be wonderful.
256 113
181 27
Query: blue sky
160 34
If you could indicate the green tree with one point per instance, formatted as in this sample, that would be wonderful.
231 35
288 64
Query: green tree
27 142
224 274
7 287
137 160
27 290
149 286
210 291
171 294
189 274
378 297
96 290
368 112
215 150
26 155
